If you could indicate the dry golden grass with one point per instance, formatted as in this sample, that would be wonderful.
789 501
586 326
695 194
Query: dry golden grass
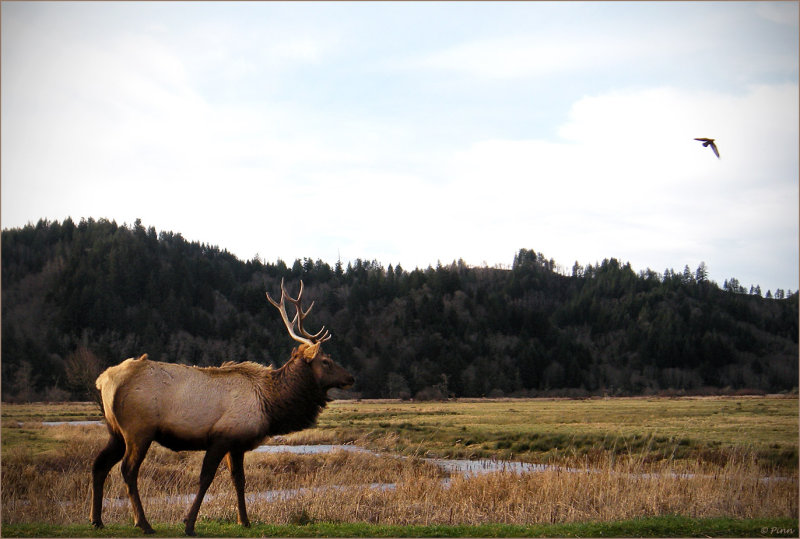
614 491
53 487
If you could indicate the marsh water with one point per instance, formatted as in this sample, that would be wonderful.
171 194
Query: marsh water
71 423
451 467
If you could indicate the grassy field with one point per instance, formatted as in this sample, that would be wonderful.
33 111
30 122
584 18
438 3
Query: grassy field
543 430
46 411
672 526
658 467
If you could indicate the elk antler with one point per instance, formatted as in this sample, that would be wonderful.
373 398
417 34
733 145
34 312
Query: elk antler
319 337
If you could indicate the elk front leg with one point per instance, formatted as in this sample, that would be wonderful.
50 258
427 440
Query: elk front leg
210 464
235 462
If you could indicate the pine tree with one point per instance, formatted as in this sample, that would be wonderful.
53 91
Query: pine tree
701 274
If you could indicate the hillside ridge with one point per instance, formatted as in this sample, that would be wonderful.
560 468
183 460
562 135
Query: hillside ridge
80 297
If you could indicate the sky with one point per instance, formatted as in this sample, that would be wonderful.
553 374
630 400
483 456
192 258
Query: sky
414 133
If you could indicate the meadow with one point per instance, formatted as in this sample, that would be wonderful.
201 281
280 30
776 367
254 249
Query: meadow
640 466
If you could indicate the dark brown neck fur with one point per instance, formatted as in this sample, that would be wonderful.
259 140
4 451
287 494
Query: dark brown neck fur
295 399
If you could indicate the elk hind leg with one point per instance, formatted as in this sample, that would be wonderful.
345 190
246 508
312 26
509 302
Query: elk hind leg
235 462
211 462
134 455
105 460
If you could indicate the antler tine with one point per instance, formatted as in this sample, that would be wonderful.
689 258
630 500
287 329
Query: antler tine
282 310
275 303
316 336
318 333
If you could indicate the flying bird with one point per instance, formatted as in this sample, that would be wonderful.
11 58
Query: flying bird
709 142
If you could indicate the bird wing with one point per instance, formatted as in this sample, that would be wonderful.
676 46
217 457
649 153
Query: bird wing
714 147
703 139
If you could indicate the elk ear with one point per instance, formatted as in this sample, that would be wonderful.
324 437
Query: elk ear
310 352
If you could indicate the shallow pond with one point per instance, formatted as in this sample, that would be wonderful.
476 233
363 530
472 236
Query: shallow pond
71 423
451 467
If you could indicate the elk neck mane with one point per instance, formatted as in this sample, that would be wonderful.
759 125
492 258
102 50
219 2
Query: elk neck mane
289 396
295 399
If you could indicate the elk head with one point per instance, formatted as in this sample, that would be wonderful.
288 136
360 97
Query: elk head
327 373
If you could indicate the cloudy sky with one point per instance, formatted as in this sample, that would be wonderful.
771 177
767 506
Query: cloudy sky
415 132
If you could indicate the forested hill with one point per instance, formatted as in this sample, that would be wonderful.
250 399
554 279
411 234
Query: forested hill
79 297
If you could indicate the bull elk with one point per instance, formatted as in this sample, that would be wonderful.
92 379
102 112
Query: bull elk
225 411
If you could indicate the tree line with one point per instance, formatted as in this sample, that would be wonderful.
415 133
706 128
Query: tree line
78 297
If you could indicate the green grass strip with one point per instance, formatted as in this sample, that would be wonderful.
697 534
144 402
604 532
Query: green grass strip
670 526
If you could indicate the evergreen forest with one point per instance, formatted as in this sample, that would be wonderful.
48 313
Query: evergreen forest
79 297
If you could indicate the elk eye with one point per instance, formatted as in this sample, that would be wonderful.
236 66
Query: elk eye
327 362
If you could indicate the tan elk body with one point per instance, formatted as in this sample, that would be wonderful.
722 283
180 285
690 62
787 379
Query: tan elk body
225 411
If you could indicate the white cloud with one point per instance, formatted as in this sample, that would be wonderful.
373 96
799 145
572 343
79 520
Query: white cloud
564 48
779 12
649 45
628 180
515 56
119 128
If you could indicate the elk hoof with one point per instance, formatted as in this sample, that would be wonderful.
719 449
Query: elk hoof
97 524
146 528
